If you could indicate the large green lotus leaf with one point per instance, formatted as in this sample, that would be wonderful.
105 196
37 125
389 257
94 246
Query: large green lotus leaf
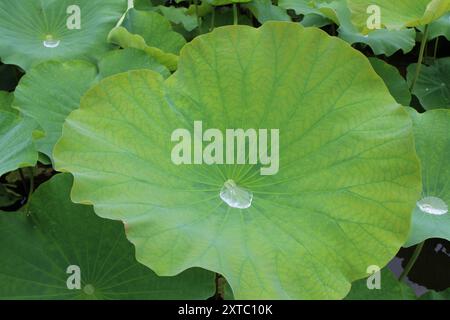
394 81
390 289
33 31
265 11
430 217
400 13
433 85
312 228
117 61
49 92
59 234
17 148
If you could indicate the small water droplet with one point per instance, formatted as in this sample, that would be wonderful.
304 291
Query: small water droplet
89 289
433 205
235 196
49 42
442 84
366 36
427 89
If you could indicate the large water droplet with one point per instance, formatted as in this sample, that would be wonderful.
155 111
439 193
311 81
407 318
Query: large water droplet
433 205
235 196
49 42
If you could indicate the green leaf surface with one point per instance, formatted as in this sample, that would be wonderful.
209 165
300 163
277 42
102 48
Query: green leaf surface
299 6
225 2
433 295
382 41
26 26
179 16
390 288
151 32
431 131
59 234
312 228
394 81
315 20
117 61
433 85
6 99
440 27
265 11
49 92
155 29
17 149
398 14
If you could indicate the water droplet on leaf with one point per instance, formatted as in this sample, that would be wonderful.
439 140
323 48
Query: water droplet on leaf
235 196
433 205
49 42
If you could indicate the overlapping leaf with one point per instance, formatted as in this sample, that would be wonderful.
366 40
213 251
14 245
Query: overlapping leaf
389 288
49 92
33 31
17 147
433 84
151 32
398 14
381 41
394 81
59 234
117 61
431 218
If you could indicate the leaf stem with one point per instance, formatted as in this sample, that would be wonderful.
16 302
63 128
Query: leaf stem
30 191
421 55
436 44
235 14
411 261
199 20
22 178
220 287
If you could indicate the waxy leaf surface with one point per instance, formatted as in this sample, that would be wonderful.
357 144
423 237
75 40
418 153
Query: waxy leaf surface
432 133
348 176
58 234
